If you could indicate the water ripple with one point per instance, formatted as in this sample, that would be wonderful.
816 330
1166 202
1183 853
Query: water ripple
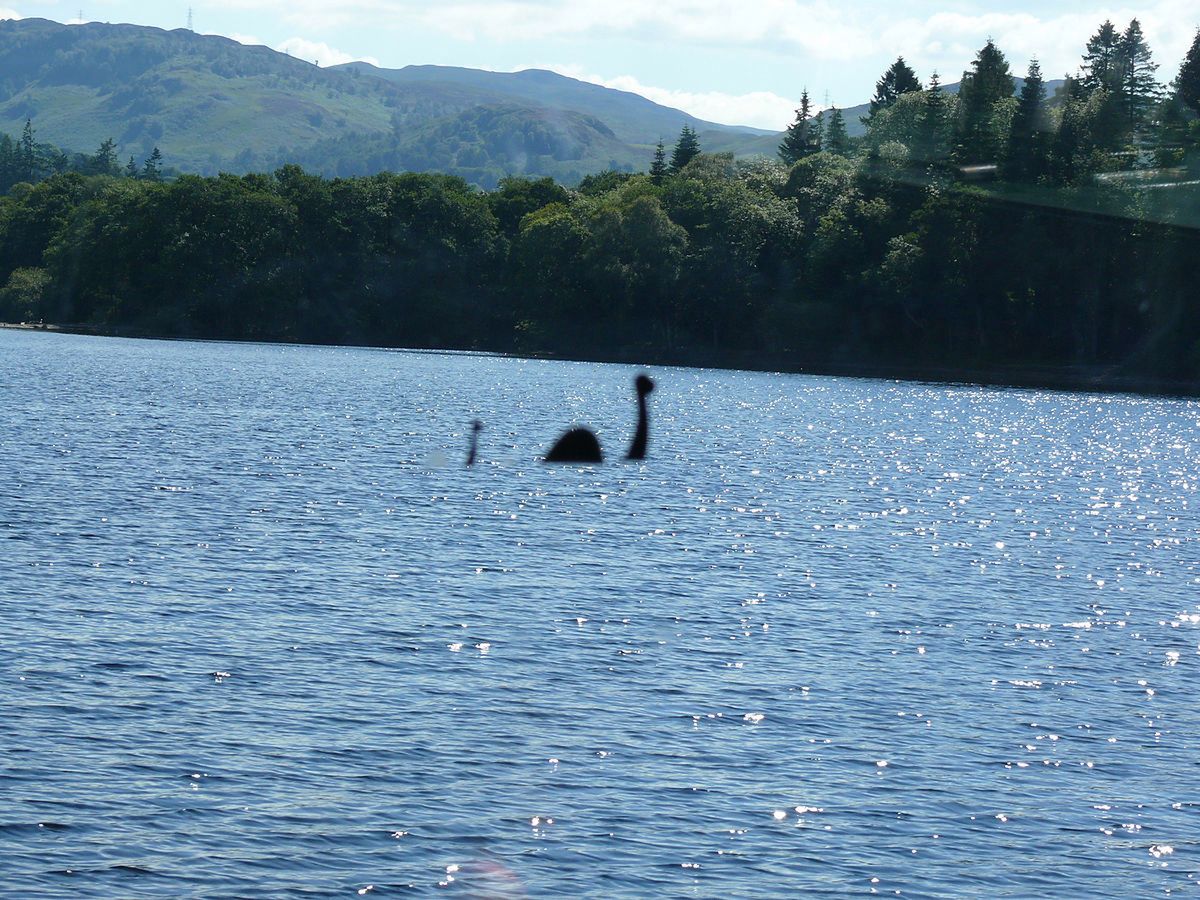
835 636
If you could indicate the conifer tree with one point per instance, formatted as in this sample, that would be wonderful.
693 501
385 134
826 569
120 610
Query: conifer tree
104 161
932 144
687 148
1101 60
131 169
1187 85
658 168
1068 140
8 163
836 139
152 168
1026 156
802 137
1137 87
898 79
27 161
988 82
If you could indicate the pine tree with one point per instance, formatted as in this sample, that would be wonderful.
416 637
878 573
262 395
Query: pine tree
27 156
104 161
658 168
1026 156
1101 60
898 79
932 144
989 82
837 140
1187 85
1068 140
1138 89
687 148
8 163
131 169
152 168
1186 101
802 137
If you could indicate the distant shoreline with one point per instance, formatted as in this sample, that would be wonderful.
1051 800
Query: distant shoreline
1076 379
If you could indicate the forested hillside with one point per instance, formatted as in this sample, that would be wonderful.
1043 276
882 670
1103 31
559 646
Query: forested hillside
962 234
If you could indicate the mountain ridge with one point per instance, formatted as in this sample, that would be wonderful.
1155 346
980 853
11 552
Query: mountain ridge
212 104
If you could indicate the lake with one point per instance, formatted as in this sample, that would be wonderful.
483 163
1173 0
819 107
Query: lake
262 633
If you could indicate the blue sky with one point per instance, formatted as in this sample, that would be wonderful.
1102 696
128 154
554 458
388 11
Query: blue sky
739 63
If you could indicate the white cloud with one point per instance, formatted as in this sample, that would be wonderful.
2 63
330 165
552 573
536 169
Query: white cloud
309 51
825 31
760 109
320 53
248 39
6 13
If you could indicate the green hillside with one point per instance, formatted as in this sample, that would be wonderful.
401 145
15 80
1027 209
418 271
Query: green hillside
211 104
631 117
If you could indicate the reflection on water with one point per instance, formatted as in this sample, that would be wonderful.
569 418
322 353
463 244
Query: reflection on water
833 636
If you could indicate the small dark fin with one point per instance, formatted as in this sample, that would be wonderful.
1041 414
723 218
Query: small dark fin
578 445
476 427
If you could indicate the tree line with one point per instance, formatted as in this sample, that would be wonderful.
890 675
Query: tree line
888 251
25 160
1112 116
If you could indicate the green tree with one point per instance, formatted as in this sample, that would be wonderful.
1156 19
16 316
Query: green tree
516 196
131 168
801 138
9 163
633 260
1026 156
658 168
1101 84
899 79
1181 120
1101 60
932 143
104 160
152 167
22 298
1068 139
837 140
28 163
547 264
988 82
687 148
1138 89
1187 85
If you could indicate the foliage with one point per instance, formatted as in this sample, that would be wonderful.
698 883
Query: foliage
1026 156
658 168
876 256
1187 84
988 83
687 148
898 80
836 139
803 137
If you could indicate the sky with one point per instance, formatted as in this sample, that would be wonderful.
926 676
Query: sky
740 63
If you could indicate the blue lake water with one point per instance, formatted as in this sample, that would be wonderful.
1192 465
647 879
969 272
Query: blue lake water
263 635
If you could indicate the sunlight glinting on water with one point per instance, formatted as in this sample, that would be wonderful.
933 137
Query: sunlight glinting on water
262 633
